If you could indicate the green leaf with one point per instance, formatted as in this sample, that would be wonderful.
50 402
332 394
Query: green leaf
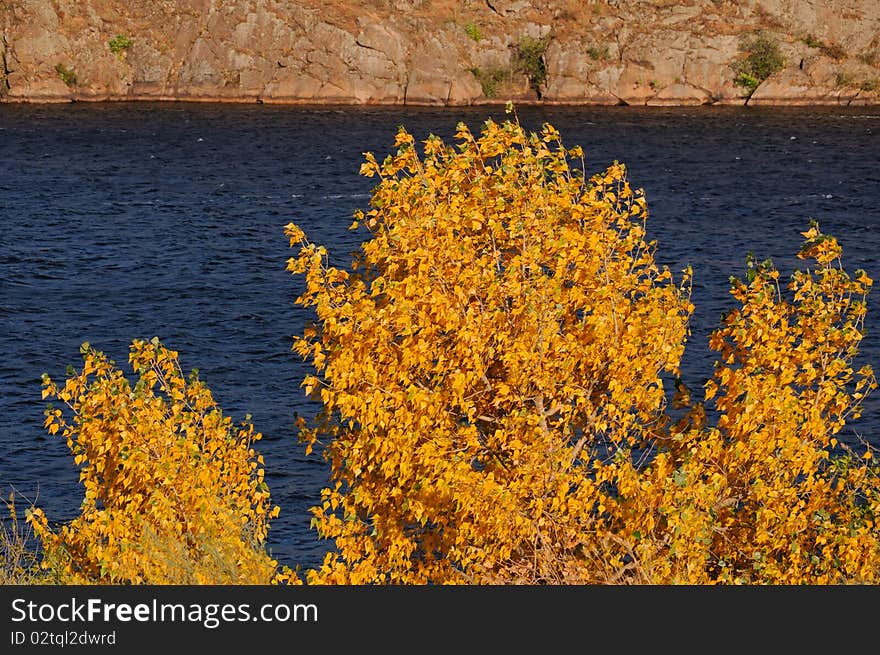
679 477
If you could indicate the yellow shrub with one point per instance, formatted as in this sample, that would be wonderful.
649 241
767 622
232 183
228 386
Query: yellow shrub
174 493
769 495
491 375
505 321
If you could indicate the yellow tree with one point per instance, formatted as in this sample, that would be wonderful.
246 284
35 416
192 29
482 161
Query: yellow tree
504 327
174 492
768 495
785 389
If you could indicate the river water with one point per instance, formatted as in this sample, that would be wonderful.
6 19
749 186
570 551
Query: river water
130 220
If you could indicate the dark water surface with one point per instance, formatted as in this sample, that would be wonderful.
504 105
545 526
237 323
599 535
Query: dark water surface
124 221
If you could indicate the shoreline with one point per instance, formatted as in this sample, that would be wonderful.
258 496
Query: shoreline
318 102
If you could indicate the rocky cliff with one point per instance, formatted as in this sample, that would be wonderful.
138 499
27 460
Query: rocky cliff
439 52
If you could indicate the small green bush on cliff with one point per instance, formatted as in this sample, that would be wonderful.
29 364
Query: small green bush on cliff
596 52
119 44
473 31
529 60
832 50
762 59
67 75
491 79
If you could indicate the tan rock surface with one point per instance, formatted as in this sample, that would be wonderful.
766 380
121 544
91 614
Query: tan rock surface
441 52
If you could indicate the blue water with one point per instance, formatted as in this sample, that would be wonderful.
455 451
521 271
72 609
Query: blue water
124 221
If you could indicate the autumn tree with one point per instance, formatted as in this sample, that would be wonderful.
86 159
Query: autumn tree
504 327
174 492
491 374
769 494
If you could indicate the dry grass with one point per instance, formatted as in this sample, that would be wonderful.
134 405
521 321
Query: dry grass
20 564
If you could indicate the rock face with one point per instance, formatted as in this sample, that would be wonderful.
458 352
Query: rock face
441 52
3 87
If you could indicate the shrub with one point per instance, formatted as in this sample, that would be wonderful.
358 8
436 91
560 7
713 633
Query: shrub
868 57
767 495
174 493
529 60
473 31
834 51
596 53
119 44
763 58
748 82
478 351
492 79
492 374
844 78
67 75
